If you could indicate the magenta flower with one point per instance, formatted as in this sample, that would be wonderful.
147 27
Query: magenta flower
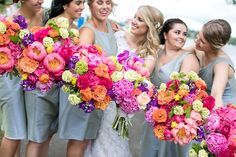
213 122
216 143
36 51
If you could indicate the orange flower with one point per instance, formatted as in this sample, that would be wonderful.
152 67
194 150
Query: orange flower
137 91
14 26
103 105
4 40
159 132
164 97
201 94
182 93
99 93
185 106
99 49
35 29
44 78
159 115
200 84
76 40
86 94
28 65
10 32
102 70
53 33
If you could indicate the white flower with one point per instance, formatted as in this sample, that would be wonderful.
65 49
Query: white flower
197 105
64 33
202 153
23 32
48 42
67 76
75 32
162 87
62 22
192 153
74 99
3 28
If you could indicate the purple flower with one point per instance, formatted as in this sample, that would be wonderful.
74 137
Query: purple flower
88 107
28 39
74 59
192 87
21 21
122 57
200 134
143 88
27 85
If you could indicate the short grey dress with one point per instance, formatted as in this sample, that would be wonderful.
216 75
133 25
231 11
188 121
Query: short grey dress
12 108
207 74
74 123
150 145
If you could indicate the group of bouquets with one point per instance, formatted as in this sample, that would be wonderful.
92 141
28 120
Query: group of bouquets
131 89
218 136
10 47
182 107
39 55
88 78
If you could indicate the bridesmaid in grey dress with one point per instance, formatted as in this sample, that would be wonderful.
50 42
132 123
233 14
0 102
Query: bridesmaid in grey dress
12 106
75 125
172 58
217 69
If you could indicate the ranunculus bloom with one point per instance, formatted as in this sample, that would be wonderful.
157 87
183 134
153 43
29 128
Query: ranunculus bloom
209 102
102 70
86 94
6 60
200 84
28 65
159 131
159 115
54 63
99 93
4 40
36 51
103 105
164 97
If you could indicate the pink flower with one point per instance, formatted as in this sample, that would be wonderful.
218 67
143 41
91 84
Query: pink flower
209 102
36 51
232 137
40 34
54 63
44 87
148 115
6 60
167 134
183 134
216 143
106 82
196 116
83 82
93 60
213 122
66 50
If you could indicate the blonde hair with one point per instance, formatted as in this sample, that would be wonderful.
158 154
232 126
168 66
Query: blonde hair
217 33
154 20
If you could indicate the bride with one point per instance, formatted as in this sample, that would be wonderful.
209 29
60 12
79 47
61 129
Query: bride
143 39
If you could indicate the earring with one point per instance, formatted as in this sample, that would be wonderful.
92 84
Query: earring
22 1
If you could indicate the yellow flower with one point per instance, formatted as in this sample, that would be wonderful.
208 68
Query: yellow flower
73 82
49 49
177 97
24 76
174 124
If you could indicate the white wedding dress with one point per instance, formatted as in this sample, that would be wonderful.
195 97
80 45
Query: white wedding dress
108 143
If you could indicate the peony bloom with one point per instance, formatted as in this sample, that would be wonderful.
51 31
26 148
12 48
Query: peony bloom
213 122
36 51
54 63
216 143
6 60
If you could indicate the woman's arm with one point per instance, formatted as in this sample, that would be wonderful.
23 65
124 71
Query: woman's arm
86 36
150 62
190 63
220 80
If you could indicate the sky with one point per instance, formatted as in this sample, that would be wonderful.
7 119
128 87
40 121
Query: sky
193 12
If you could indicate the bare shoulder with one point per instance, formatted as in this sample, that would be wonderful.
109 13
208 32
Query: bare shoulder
87 36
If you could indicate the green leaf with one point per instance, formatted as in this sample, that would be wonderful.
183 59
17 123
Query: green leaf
171 114
14 39
188 112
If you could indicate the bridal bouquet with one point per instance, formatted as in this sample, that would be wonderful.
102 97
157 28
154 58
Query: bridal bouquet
10 50
219 134
88 80
132 91
46 52
182 106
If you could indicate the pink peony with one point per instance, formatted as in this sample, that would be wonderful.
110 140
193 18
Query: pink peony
196 116
6 60
54 63
232 138
36 51
213 122
148 115
40 34
66 50
44 87
183 134
216 143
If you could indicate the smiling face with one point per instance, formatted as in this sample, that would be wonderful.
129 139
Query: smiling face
176 37
34 5
101 9
74 8
201 43
138 25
